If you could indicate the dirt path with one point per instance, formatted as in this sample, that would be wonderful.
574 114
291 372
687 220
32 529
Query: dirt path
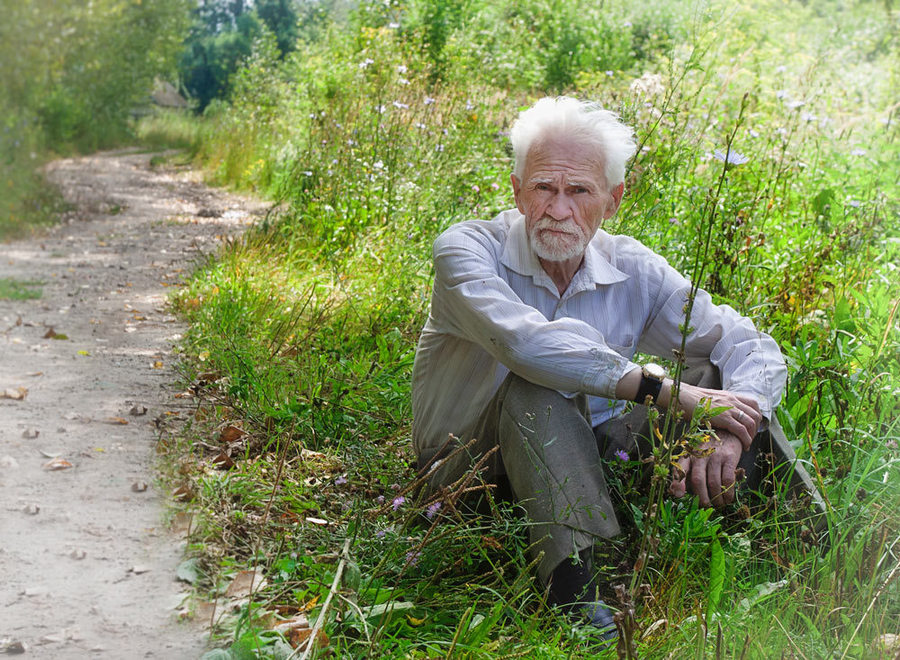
87 565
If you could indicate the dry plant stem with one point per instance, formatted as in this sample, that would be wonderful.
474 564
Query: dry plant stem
658 485
324 611
884 585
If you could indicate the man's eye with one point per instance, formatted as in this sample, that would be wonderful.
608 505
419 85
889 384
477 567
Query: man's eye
580 189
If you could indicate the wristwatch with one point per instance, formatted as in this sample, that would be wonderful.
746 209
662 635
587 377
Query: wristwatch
652 376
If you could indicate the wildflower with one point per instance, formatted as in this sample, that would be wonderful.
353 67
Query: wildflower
793 105
378 165
780 94
412 557
420 125
781 69
608 73
403 81
891 444
398 502
626 24
365 63
854 203
439 147
380 534
380 109
340 481
395 486
429 100
469 105
649 84
380 499
732 158
394 26
622 455
858 152
401 68
495 186
807 117
432 510
476 189
401 106
753 134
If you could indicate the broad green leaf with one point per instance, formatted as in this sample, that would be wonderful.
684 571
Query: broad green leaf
716 577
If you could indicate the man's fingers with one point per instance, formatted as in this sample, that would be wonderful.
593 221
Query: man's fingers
714 478
729 456
697 479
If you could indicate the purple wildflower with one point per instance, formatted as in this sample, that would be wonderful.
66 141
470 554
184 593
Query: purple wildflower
379 534
340 481
731 158
380 499
621 454
412 557
398 502
432 509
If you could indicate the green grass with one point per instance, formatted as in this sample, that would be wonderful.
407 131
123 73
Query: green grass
375 139
13 289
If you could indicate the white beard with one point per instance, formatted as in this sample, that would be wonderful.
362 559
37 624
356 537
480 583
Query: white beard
555 247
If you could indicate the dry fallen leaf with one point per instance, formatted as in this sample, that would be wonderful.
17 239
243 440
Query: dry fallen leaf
139 486
182 493
157 365
120 421
137 569
316 521
30 434
137 410
223 461
31 509
231 433
244 583
57 464
78 553
16 393
181 522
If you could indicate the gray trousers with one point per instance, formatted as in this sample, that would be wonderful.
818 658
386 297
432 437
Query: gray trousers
552 458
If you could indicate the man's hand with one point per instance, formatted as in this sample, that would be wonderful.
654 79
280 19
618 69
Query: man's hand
742 419
709 471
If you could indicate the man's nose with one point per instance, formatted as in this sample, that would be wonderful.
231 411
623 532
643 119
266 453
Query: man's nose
560 207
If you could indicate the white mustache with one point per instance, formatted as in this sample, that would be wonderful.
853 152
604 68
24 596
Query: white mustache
566 226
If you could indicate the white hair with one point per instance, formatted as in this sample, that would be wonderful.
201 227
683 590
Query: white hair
584 121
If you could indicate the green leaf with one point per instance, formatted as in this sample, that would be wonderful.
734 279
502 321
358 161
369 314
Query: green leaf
188 571
716 577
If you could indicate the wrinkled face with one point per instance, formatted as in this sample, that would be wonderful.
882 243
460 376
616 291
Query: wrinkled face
564 197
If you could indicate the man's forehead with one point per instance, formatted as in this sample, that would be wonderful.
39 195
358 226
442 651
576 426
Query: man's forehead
563 154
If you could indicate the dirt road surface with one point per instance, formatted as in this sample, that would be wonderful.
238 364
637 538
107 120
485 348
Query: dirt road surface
87 562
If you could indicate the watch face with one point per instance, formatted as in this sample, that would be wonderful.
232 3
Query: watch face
654 371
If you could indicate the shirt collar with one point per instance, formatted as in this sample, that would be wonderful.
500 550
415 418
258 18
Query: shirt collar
596 270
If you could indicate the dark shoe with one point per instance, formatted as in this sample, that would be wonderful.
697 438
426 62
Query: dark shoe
599 616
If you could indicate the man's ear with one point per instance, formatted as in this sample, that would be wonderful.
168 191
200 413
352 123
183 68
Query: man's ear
517 192
616 193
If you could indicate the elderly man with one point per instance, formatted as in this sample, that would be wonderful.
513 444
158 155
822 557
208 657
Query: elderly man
535 318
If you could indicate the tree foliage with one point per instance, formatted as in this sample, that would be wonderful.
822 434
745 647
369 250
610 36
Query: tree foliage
222 36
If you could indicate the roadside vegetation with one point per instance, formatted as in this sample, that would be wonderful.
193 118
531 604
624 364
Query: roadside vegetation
767 170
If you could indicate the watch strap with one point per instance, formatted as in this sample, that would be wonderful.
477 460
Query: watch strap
648 387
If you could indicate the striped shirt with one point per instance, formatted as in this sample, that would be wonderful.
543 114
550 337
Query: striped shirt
494 310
